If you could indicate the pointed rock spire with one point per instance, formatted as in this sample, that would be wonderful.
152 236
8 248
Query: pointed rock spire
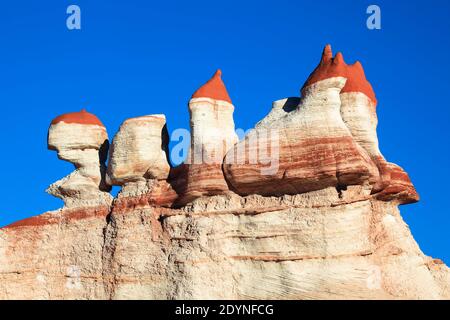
357 82
339 59
327 54
336 67
358 65
214 89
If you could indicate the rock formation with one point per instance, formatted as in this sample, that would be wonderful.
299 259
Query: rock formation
81 139
358 111
328 139
315 148
212 135
305 207
139 151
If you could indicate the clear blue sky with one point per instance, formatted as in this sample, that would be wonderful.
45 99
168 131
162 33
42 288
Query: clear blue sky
133 58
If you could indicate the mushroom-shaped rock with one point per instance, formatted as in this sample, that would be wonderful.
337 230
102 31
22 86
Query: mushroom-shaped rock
80 138
358 110
212 135
305 147
139 151
76 130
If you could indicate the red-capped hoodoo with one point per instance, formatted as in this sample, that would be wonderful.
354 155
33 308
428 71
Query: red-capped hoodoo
214 89
81 117
336 67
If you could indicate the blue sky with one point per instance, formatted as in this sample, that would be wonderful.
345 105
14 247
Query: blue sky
140 57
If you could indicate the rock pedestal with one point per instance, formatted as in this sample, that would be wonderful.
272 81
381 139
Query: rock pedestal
80 138
212 135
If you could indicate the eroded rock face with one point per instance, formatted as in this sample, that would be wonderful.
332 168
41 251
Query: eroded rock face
316 245
323 225
315 148
80 138
326 138
358 111
212 135
139 151
57 255
359 114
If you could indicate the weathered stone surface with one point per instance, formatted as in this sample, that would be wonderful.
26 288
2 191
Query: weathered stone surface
316 245
346 138
212 135
316 149
323 225
359 114
139 151
80 138
57 255
358 111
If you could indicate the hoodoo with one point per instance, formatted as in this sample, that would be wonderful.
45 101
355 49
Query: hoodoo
304 207
212 135
314 148
80 138
358 111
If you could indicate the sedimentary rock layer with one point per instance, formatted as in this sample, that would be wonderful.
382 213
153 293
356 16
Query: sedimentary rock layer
212 135
305 207
57 255
317 245
326 138
309 148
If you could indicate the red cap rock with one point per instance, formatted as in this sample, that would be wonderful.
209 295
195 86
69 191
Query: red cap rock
214 89
330 67
80 117
81 139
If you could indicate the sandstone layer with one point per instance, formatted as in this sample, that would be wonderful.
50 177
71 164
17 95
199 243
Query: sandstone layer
315 148
318 245
358 111
304 207
326 138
